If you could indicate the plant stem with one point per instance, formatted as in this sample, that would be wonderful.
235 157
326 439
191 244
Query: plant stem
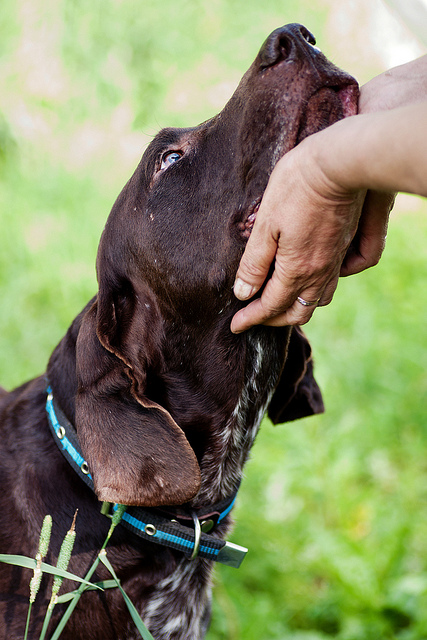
28 621
60 628
46 622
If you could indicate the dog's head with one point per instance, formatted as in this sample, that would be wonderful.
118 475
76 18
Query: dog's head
185 214
167 261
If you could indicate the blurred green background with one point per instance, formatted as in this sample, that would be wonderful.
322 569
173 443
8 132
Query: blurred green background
333 508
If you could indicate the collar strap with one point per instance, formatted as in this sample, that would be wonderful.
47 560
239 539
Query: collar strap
181 529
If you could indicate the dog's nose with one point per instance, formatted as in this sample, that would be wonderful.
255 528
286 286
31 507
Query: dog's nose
286 43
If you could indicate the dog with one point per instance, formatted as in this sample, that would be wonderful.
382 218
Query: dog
153 391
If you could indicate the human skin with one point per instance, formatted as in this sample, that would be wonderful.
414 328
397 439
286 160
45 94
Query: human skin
326 207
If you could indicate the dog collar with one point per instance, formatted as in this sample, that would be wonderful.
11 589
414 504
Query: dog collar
181 529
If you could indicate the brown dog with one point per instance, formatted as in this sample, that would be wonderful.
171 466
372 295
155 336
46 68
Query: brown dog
164 399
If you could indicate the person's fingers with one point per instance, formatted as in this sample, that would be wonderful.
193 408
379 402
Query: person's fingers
302 309
254 313
270 305
278 304
247 317
273 310
368 244
256 261
328 292
299 311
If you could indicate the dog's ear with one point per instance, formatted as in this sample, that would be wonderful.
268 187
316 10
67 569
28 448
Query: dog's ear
136 452
297 395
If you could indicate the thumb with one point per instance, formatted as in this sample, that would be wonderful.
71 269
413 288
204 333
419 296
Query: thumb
255 263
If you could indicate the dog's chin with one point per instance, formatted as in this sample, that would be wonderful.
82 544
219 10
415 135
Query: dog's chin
325 107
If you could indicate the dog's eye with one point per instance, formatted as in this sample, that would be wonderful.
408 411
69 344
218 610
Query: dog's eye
170 157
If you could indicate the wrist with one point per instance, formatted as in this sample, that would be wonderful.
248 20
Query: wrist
327 166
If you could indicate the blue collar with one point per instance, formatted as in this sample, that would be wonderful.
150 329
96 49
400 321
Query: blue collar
174 527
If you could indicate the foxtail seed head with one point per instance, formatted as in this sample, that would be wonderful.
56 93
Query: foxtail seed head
44 541
117 516
63 560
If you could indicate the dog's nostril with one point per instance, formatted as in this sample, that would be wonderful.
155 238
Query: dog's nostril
308 36
276 48
284 47
284 44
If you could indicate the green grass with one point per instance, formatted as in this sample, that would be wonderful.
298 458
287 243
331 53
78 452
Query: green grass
333 508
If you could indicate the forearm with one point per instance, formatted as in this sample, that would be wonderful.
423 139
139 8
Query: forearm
397 87
385 151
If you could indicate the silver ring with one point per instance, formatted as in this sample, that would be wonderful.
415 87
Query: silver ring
308 303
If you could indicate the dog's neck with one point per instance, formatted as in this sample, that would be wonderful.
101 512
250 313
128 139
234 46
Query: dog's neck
233 380
222 464
219 407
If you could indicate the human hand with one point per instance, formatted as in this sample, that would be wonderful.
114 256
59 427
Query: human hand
305 225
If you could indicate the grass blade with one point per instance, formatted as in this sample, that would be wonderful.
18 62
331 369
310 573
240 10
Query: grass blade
145 634
104 584
30 563
76 596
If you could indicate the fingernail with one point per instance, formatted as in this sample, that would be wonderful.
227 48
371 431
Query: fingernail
233 327
243 290
235 331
